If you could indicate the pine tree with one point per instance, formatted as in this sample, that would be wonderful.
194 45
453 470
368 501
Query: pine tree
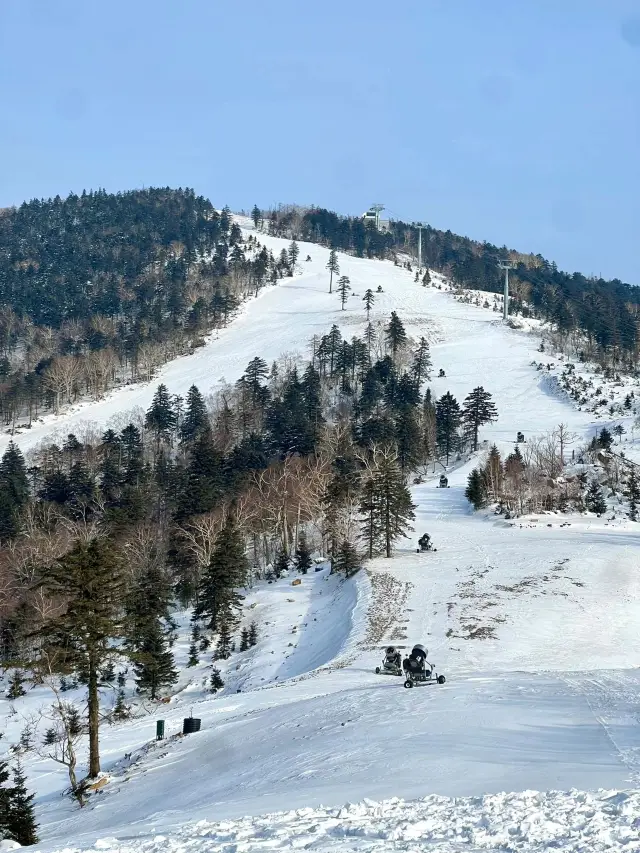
50 737
203 484
633 493
421 368
386 504
74 721
244 639
344 286
90 578
594 499
256 215
293 254
194 660
408 438
605 439
255 374
426 278
161 417
333 266
223 646
227 570
395 334
121 710
478 409
14 490
22 822
303 554
16 685
196 419
448 419
476 492
253 634
153 663
215 683
368 300
346 561
5 800
26 738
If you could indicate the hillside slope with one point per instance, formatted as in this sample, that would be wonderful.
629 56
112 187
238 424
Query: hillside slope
535 624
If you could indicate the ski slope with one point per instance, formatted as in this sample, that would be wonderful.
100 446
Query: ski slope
535 625
469 343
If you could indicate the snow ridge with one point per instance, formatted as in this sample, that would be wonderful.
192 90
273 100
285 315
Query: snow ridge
530 821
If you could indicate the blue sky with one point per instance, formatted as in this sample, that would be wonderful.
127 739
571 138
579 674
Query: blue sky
513 121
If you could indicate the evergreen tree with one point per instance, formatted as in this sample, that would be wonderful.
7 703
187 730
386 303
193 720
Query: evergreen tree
303 554
408 438
22 822
478 409
153 663
368 300
476 492
223 646
253 634
448 419
633 493
395 334
121 710
386 505
227 570
421 368
215 683
90 578
333 266
74 721
50 737
426 278
344 286
5 800
594 499
16 685
14 490
346 560
196 419
194 660
244 639
256 215
161 417
605 439
293 254
203 484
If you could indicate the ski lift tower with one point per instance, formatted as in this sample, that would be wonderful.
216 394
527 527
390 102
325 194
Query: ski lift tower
373 214
506 266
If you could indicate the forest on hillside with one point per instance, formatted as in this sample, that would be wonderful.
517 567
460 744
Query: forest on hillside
99 289
604 314
186 504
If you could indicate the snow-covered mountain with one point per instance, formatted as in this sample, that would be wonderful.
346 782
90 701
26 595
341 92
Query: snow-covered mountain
534 623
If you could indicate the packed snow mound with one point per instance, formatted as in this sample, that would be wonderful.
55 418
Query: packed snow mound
527 822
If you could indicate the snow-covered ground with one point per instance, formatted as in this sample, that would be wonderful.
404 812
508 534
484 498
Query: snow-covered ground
534 623
573 822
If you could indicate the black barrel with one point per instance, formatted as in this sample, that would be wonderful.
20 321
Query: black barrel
190 725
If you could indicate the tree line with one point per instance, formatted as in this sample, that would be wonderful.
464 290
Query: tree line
100 289
601 314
